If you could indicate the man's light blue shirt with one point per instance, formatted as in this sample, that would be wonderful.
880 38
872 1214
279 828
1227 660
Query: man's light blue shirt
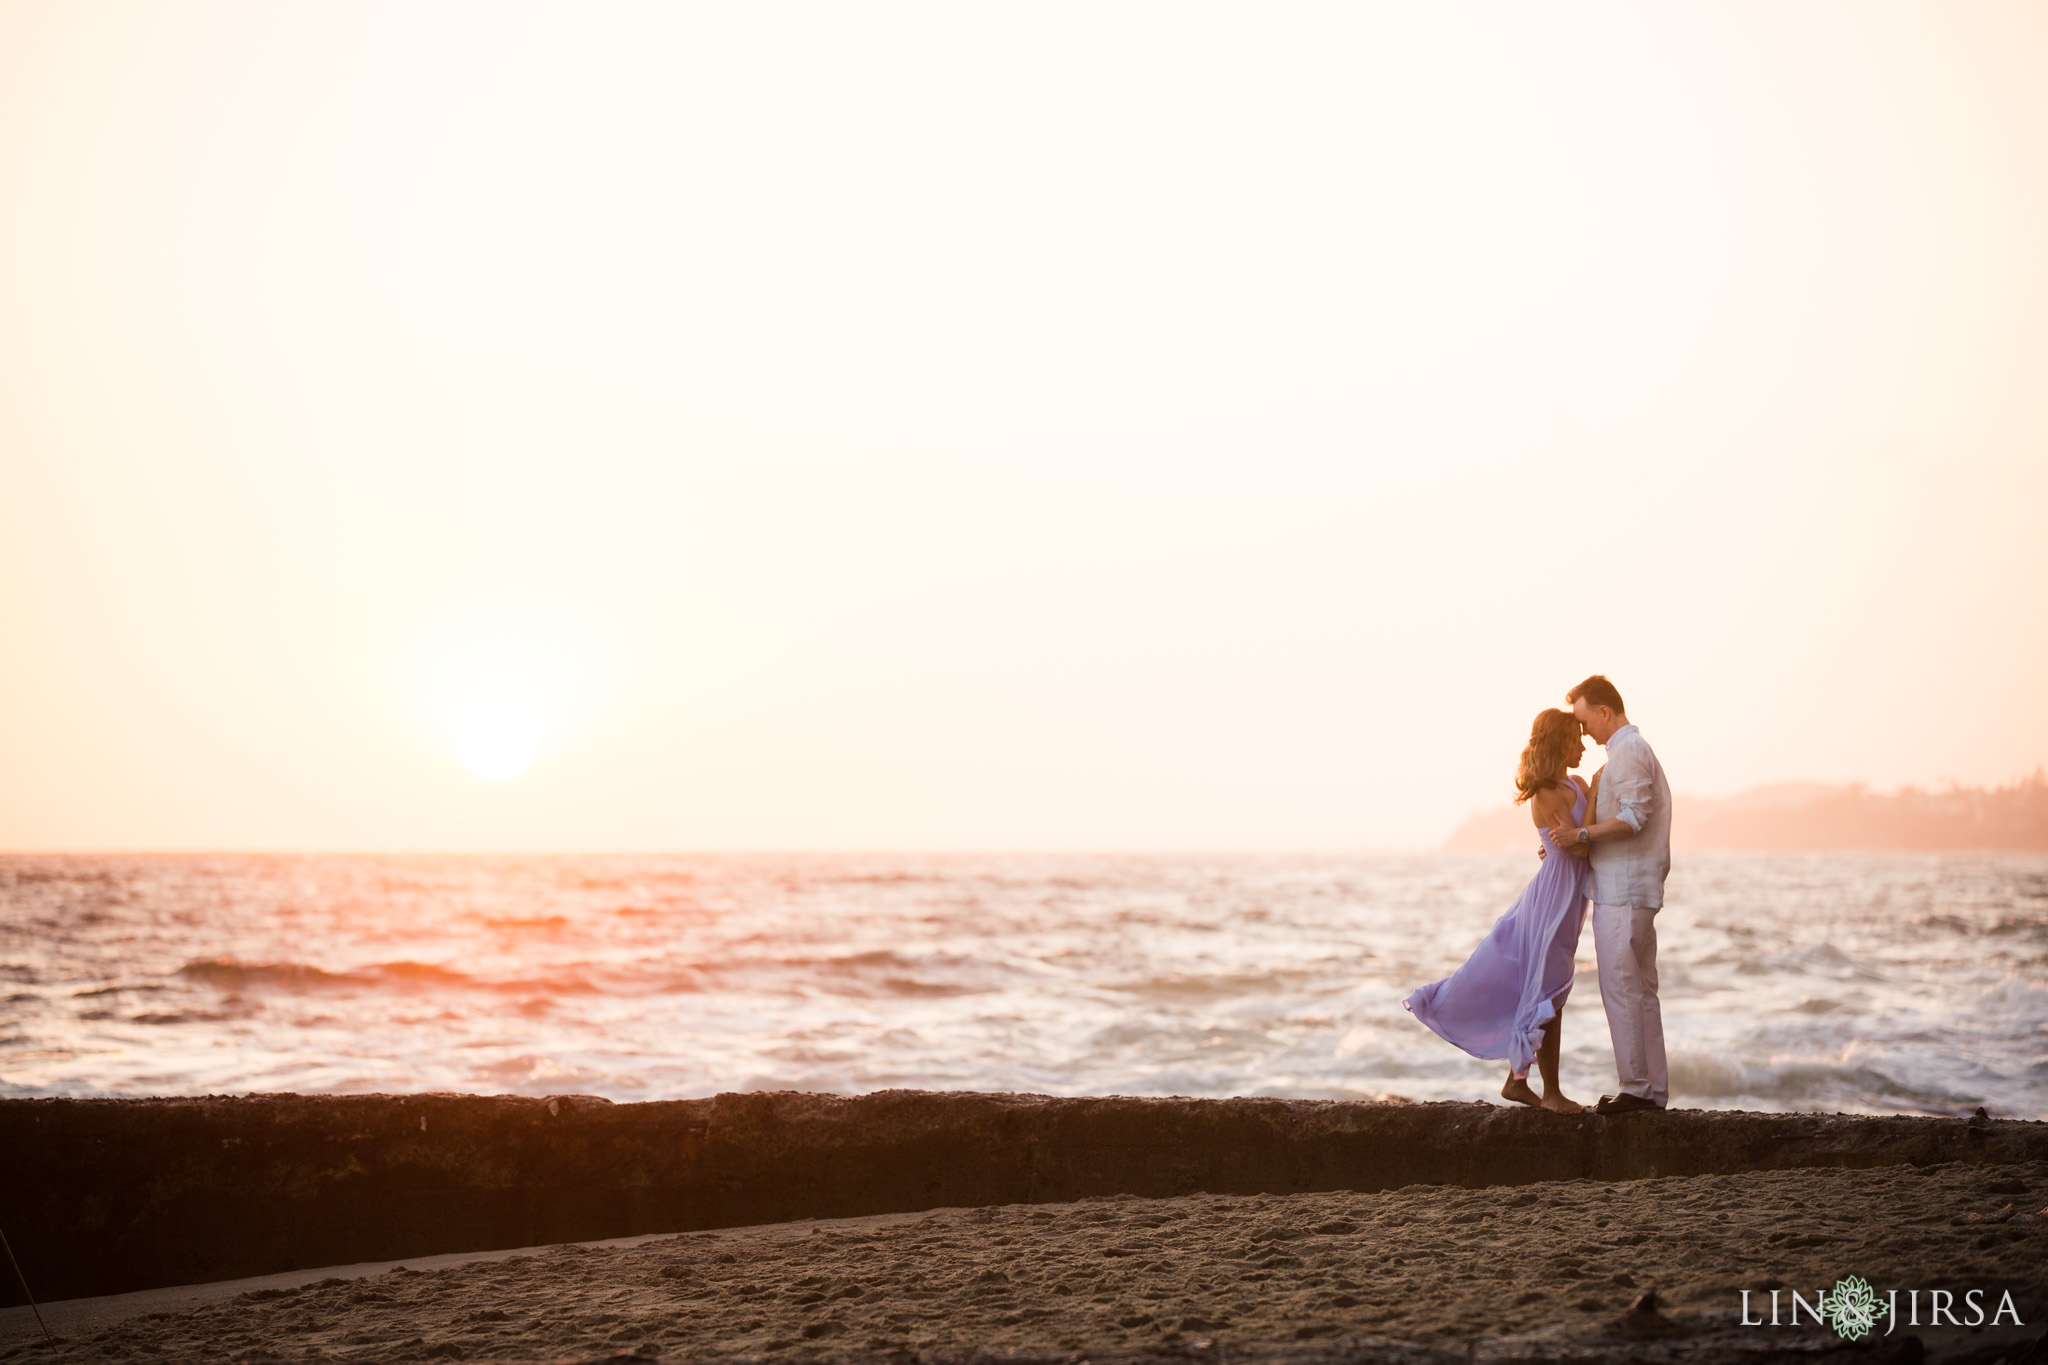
1631 870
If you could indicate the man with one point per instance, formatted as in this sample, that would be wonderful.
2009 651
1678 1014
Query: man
1630 848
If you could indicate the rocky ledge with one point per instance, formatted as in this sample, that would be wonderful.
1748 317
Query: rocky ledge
109 1195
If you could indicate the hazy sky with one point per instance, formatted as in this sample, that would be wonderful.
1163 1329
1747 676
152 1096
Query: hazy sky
993 426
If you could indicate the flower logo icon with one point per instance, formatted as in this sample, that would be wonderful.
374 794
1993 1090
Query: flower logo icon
1851 1307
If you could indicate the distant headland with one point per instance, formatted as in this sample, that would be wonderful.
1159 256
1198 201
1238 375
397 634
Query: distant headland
1818 817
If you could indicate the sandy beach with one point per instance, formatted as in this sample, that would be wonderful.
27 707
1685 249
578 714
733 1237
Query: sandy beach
1424 1272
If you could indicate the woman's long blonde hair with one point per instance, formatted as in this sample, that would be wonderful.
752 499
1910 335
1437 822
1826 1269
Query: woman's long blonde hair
1553 743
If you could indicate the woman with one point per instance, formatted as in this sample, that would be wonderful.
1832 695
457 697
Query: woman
1508 998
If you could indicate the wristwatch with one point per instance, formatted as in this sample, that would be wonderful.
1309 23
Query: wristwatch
1584 837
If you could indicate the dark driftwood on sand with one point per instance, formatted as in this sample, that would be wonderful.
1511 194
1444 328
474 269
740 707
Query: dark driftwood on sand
103 1196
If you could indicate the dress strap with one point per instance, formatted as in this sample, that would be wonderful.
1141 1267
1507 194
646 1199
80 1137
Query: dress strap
1578 792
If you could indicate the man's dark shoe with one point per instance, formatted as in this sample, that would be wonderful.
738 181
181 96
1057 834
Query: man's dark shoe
1625 1104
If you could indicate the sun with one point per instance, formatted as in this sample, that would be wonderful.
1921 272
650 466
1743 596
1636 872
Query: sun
496 740
499 680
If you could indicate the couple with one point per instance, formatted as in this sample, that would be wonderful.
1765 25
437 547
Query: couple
1507 1001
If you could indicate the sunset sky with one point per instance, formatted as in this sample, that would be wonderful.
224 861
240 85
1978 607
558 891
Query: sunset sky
975 426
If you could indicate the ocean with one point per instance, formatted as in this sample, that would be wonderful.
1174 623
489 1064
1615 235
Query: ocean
1863 983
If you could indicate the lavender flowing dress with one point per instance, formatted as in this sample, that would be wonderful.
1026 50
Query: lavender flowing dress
1517 979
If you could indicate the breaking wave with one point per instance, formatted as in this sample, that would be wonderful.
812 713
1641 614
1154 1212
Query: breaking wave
1855 982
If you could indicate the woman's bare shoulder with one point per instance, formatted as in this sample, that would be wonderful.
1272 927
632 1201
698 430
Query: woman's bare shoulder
1546 804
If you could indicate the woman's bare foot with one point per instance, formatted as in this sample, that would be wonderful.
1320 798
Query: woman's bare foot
1558 1104
1517 1089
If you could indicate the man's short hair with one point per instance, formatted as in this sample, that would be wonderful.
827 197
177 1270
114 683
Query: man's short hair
1598 692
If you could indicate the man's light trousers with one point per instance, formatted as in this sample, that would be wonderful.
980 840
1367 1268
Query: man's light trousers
1625 940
